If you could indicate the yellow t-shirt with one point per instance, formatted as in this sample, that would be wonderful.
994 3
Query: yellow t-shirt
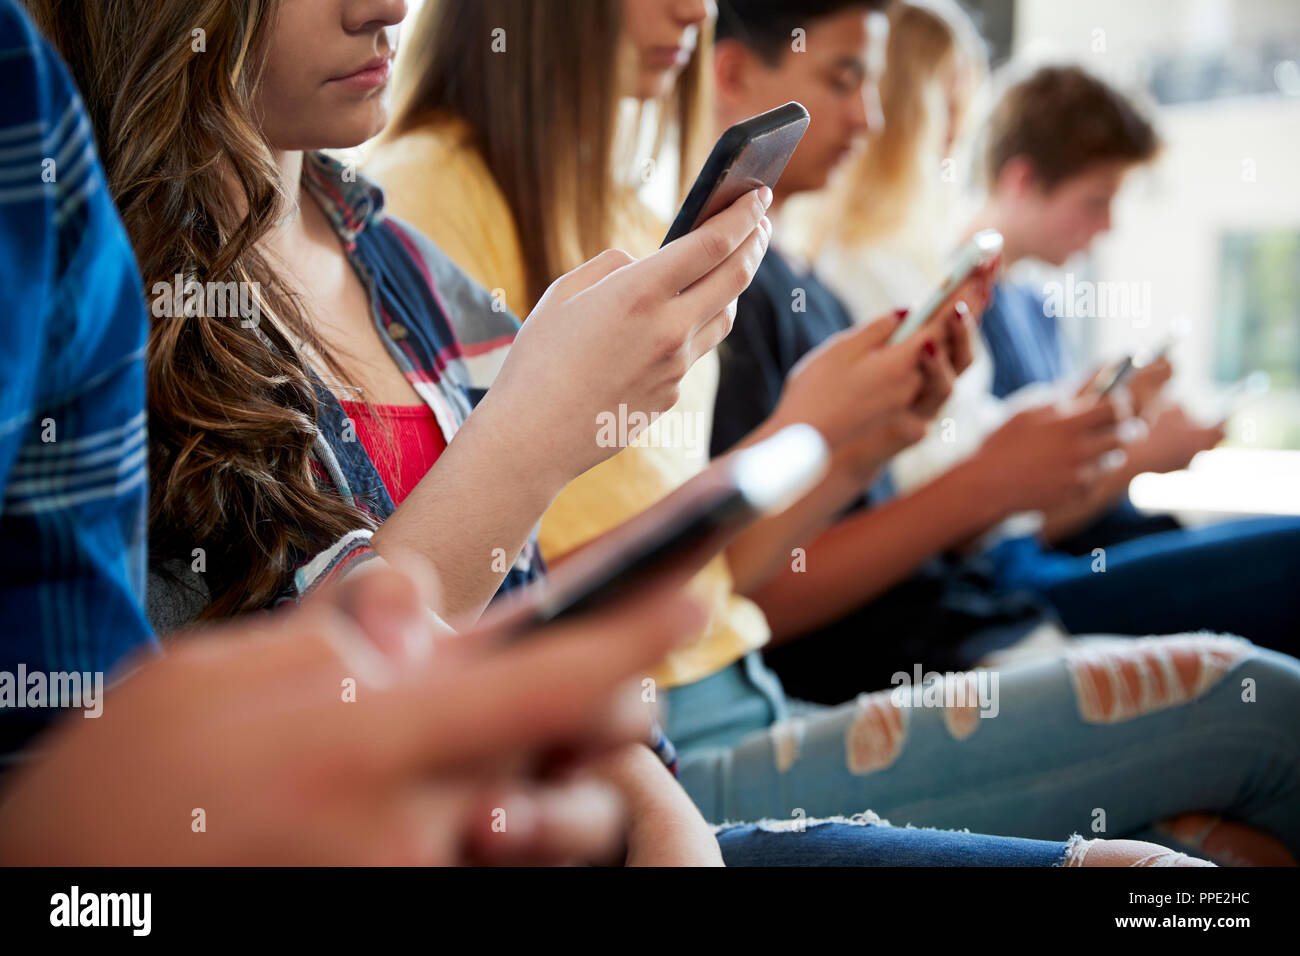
435 179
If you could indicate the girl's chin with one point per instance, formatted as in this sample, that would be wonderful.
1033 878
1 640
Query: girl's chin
352 134
657 83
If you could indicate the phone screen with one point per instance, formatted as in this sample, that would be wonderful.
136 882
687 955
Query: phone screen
983 248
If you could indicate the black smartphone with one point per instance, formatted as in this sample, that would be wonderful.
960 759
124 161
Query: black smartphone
764 478
748 155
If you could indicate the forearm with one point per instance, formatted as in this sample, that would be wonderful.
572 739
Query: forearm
763 548
664 827
869 552
473 511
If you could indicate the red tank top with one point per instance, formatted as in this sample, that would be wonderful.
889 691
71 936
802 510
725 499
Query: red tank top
402 440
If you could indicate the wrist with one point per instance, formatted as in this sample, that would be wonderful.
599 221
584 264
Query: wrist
517 452
852 470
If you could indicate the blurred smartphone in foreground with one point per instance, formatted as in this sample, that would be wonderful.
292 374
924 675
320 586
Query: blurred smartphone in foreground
683 532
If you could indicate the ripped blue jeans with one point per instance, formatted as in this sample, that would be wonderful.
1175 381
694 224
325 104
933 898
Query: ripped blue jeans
1108 739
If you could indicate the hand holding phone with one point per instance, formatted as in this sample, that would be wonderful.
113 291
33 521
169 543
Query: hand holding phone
983 248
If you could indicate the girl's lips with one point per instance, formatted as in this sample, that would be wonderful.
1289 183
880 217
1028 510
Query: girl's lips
371 76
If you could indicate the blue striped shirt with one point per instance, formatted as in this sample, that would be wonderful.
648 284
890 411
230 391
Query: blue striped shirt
72 423
1023 340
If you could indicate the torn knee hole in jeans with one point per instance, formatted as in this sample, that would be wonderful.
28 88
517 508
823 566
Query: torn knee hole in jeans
878 730
1122 679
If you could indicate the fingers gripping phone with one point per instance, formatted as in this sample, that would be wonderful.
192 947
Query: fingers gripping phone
764 478
983 248
748 155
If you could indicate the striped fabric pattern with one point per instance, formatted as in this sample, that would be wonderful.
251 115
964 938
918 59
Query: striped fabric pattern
73 458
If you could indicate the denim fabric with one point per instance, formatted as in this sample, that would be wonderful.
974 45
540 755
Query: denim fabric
1237 577
849 843
1038 769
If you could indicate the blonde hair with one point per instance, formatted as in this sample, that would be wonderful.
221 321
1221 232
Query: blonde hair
894 180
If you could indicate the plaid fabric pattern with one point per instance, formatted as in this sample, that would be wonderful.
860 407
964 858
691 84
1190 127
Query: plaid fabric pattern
73 454
441 330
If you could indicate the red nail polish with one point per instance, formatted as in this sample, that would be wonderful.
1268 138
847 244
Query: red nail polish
930 349
901 314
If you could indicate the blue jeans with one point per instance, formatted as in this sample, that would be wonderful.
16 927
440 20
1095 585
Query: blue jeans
1106 739
1237 577
846 843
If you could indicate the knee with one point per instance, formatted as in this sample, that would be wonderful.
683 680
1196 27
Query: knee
1126 853
876 735
1126 678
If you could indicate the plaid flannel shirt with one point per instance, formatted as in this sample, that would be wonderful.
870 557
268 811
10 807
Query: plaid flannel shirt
72 423
440 328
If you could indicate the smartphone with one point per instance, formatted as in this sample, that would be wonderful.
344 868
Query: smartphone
1121 374
764 478
983 248
1254 386
748 155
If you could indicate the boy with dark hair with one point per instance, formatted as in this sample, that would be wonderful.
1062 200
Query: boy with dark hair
939 611
748 751
898 570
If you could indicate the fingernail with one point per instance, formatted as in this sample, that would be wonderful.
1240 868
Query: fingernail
901 314
765 196
961 308
930 349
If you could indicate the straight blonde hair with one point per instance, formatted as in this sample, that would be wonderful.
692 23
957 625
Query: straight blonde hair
883 188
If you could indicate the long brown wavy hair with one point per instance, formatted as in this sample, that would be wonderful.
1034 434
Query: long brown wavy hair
546 114
232 410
